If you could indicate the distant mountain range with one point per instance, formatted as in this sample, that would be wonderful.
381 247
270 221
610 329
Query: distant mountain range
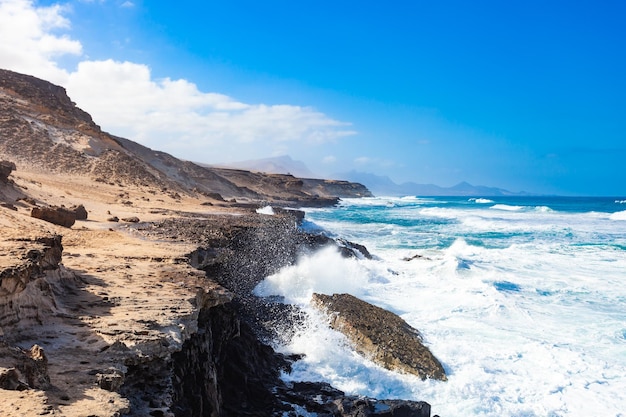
377 184
384 186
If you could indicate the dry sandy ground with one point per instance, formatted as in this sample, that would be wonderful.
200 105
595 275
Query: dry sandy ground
124 289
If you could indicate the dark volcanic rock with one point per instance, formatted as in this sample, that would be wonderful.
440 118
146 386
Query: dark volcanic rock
296 214
239 375
380 335
57 215
324 400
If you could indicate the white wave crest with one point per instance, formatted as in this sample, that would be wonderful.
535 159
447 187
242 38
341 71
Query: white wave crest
481 200
445 213
620 201
506 207
619 215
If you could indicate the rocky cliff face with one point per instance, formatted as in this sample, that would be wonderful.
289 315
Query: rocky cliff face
40 126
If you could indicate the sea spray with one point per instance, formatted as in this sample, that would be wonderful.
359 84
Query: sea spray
525 308
325 271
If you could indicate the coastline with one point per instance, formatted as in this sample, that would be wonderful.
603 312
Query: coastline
127 316
126 274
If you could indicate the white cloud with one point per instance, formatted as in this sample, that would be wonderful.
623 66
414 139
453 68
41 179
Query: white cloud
128 4
165 114
329 159
362 160
29 43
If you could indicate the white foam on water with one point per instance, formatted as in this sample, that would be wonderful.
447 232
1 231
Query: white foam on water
506 207
326 272
536 327
481 200
620 215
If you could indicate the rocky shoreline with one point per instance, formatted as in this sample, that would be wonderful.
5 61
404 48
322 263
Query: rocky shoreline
221 366
238 257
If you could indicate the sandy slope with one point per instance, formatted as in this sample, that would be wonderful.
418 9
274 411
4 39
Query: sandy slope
120 288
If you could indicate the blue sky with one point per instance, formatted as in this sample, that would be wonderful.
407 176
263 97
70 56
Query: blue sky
521 95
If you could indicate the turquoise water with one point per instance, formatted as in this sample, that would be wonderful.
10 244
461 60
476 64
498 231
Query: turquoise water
523 299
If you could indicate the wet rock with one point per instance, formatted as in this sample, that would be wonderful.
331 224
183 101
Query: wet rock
417 256
56 215
380 335
319 398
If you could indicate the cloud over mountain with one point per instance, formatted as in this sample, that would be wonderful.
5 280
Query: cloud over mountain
173 115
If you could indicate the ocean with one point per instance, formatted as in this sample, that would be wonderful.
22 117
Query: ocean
522 299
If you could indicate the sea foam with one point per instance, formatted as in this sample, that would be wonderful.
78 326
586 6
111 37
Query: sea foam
524 308
620 215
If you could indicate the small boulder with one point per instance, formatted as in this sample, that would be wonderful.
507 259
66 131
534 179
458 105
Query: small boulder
131 219
215 196
56 215
80 212
10 380
6 167
35 368
29 368
111 380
